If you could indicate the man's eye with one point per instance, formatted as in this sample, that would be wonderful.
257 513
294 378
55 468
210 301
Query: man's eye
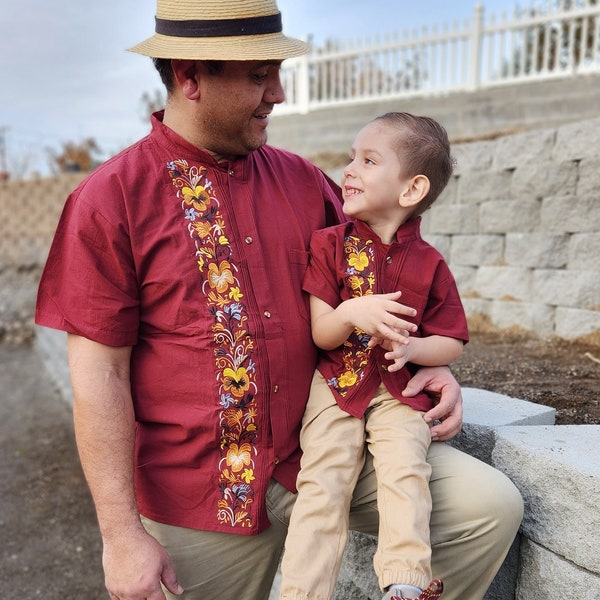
260 77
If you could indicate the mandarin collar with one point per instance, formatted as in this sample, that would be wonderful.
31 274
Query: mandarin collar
406 232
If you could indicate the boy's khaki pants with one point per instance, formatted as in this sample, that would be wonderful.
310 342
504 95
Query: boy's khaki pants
333 445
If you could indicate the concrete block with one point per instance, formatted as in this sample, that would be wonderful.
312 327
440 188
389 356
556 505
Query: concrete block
571 323
490 409
557 470
584 251
475 156
538 180
559 287
426 222
589 178
480 186
485 411
476 250
476 307
506 283
512 151
440 242
509 216
449 194
464 277
536 250
454 218
526 315
565 214
545 575
578 141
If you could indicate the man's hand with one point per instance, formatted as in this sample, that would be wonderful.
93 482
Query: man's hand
134 565
439 382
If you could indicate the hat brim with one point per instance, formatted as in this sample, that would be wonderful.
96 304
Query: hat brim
272 46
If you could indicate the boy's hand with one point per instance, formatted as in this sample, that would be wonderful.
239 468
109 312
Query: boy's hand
375 314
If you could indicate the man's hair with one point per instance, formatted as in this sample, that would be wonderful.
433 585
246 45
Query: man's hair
165 70
424 149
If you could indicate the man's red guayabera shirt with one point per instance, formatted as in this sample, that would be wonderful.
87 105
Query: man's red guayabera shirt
198 266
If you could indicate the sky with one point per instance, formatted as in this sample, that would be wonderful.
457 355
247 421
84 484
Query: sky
65 74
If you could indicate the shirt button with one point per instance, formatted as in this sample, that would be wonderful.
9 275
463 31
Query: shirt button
388 260
231 172
267 314
276 460
248 240
275 388
384 367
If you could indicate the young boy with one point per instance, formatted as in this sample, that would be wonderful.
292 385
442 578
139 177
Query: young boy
358 272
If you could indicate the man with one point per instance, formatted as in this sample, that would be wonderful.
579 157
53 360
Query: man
176 269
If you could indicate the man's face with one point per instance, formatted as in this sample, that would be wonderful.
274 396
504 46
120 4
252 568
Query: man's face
234 108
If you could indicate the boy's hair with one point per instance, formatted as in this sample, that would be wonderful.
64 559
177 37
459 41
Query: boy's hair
424 149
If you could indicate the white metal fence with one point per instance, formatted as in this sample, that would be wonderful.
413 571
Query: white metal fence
553 39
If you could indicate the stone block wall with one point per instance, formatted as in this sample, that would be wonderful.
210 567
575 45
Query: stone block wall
520 227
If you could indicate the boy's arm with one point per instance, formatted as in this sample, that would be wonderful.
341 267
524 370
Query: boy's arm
374 314
431 351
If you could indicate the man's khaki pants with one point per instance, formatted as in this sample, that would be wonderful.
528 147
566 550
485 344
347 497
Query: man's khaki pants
476 513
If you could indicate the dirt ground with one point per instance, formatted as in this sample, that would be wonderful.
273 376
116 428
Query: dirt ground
50 546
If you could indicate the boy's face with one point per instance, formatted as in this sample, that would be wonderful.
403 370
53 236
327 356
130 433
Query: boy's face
373 181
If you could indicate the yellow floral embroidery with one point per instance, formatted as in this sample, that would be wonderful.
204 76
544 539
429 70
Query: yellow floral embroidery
360 280
233 343
359 260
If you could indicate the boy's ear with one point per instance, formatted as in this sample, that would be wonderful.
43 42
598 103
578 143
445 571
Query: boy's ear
414 191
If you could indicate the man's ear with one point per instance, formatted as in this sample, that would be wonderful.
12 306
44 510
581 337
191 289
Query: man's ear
187 77
414 191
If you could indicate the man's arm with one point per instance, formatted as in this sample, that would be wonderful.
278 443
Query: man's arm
134 562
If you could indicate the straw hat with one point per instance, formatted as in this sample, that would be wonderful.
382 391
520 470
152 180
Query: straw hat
219 30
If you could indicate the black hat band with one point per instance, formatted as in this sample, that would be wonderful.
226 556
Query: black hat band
221 27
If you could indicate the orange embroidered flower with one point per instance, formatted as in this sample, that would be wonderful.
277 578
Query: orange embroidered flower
220 276
237 382
238 457
197 197
356 283
202 228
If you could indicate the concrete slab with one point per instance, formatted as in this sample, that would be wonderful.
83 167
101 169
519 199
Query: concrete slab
557 470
